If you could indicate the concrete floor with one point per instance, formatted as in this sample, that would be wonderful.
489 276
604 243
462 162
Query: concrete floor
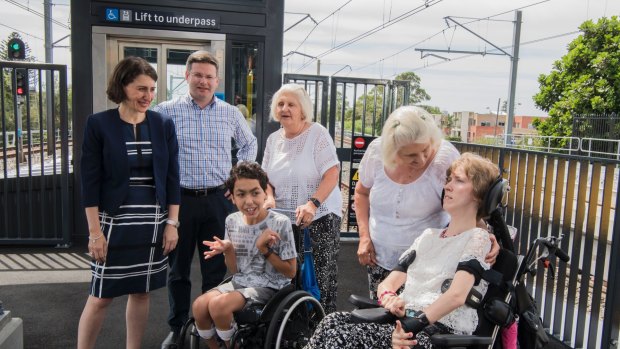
47 288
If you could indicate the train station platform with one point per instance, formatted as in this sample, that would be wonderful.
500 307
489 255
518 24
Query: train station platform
47 287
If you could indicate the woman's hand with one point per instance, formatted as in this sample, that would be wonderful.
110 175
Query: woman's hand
267 239
402 339
305 214
366 252
492 256
393 304
98 247
216 247
171 237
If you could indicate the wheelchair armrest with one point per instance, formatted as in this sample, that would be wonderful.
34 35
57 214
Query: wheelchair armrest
376 315
456 340
363 302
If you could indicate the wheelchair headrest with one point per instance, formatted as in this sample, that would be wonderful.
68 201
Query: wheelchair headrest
493 198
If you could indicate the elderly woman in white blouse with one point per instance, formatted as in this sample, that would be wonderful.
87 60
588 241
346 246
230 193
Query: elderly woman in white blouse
303 168
398 194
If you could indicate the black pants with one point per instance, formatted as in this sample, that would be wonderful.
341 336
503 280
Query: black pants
201 219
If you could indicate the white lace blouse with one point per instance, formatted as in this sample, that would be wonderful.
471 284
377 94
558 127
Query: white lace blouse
400 212
436 260
295 168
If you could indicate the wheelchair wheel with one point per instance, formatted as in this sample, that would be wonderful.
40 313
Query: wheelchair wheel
294 321
188 337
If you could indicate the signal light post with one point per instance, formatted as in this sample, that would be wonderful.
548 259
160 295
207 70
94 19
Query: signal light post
20 84
16 50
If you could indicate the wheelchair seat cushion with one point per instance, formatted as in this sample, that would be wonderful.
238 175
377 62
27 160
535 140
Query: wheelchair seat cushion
376 315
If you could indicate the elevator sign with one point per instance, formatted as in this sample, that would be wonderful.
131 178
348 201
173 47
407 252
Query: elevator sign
159 18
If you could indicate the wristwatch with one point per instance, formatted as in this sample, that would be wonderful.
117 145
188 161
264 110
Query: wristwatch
315 202
173 223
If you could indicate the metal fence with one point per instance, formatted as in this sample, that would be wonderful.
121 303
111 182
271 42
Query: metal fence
577 197
600 132
35 181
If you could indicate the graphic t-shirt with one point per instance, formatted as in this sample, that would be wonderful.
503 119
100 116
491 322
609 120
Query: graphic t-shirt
253 270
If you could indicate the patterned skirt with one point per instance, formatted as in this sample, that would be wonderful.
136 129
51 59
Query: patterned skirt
135 262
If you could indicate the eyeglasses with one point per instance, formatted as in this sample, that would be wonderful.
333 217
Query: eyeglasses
199 76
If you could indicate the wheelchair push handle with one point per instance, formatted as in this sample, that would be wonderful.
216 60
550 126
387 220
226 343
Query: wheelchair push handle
553 245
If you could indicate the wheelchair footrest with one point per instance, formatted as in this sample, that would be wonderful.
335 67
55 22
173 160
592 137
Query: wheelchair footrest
377 315
454 340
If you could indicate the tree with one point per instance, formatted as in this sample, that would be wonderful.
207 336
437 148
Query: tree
583 82
368 106
416 93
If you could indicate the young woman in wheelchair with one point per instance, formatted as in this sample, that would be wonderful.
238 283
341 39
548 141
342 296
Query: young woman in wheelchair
429 305
259 250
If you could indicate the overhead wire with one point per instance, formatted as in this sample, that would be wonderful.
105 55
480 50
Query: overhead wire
374 30
317 24
24 7
504 47
450 27
23 32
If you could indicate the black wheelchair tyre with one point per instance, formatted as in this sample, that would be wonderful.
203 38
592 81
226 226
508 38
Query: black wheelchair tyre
188 336
294 322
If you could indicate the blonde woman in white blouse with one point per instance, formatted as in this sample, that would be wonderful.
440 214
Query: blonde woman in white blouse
398 195
301 162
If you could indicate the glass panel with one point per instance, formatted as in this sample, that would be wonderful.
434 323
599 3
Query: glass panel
148 53
175 72
244 56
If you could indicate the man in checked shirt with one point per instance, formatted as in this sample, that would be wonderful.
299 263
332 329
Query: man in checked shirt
205 126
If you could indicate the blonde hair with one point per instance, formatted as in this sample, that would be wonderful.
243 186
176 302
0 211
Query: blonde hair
481 172
300 94
407 125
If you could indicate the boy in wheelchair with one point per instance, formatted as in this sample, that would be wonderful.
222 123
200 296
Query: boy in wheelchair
259 250
430 304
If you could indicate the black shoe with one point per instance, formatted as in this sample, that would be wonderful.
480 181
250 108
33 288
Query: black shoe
171 341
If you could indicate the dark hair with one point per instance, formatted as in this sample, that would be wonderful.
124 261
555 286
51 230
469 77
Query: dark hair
247 170
125 73
201 57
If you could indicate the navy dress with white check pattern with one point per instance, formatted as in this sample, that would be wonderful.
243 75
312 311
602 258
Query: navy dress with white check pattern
135 262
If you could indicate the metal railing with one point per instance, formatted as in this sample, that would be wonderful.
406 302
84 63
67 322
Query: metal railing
574 196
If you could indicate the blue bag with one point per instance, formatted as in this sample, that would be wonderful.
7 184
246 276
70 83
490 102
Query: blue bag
308 277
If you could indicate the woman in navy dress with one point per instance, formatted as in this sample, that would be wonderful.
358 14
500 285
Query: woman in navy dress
131 194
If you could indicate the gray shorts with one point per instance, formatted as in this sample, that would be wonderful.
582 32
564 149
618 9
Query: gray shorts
254 294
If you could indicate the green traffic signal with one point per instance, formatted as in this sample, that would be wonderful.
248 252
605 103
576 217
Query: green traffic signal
16 49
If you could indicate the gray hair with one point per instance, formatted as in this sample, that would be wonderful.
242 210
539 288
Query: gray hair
300 94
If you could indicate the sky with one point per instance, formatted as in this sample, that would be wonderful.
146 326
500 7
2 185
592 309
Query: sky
463 83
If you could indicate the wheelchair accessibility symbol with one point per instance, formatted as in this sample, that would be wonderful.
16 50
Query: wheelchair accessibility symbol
111 14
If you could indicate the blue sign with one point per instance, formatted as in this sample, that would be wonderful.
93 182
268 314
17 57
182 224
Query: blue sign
111 14
187 19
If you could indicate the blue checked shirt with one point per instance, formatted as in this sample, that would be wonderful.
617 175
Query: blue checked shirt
204 137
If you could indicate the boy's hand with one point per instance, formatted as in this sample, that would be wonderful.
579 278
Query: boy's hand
216 247
266 240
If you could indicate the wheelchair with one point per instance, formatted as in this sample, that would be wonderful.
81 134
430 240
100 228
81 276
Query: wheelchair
497 308
287 320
